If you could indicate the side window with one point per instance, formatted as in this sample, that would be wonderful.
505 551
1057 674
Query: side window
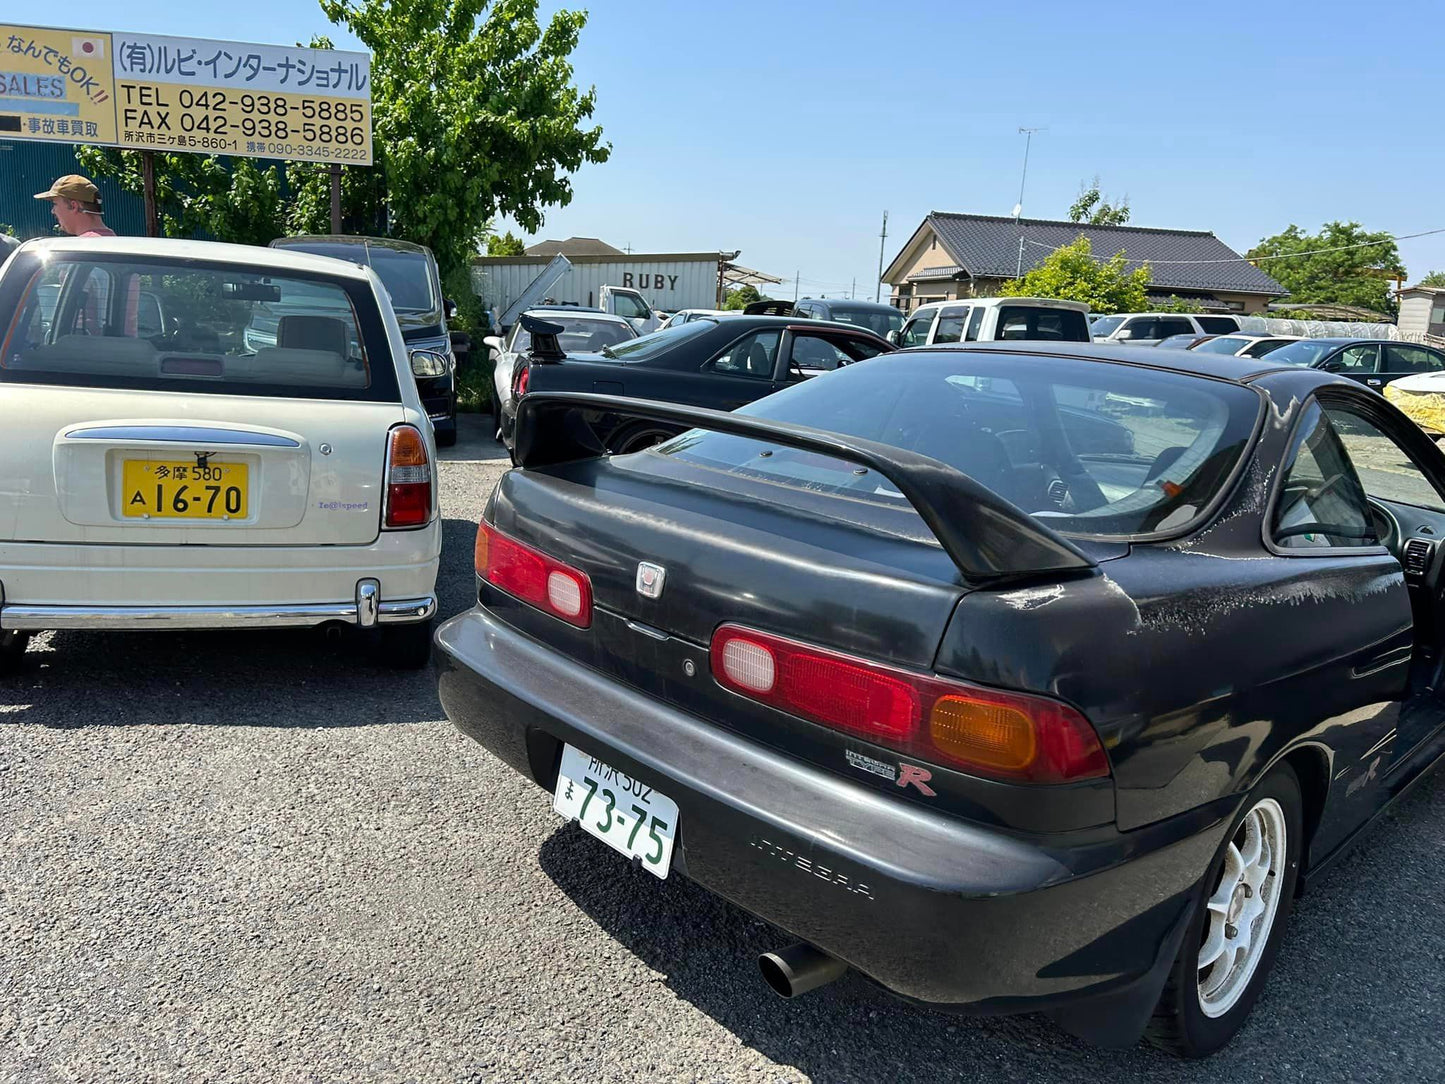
1410 359
1384 468
1358 359
975 321
950 326
814 353
1173 326
915 332
1142 328
752 355
629 307
1321 503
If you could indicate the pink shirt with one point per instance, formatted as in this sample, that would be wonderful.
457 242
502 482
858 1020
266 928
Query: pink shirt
104 231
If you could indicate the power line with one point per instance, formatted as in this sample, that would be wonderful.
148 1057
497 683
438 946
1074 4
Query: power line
1245 259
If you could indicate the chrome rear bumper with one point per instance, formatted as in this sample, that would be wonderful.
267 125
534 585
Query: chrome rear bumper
365 611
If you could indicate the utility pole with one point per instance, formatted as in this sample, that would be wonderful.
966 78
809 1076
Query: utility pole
882 240
853 293
798 278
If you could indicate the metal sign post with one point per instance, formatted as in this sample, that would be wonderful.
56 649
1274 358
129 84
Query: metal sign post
335 183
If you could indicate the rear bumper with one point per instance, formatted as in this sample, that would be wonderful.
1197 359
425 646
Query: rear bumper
364 613
67 585
936 909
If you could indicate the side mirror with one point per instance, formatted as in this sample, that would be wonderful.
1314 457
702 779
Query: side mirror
892 337
494 342
428 363
1334 365
450 308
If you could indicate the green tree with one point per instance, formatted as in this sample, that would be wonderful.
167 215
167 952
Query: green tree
742 295
1072 272
1355 267
1434 278
1093 206
237 200
474 116
505 244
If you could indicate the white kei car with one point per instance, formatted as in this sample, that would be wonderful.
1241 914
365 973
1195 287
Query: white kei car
156 472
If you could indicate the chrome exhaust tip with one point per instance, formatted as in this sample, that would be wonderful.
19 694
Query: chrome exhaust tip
797 969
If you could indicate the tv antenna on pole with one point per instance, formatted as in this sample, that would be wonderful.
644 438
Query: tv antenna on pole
1028 133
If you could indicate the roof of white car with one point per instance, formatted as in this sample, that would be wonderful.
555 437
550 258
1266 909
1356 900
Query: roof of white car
166 248
995 302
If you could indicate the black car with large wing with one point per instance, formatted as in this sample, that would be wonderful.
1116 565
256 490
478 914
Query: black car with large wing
1015 677
718 362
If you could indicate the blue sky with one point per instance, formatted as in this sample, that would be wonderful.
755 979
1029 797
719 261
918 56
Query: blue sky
786 129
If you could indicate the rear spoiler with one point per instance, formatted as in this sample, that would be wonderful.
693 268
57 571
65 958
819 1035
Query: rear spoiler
987 537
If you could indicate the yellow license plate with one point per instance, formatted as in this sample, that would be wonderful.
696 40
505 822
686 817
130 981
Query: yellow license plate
179 489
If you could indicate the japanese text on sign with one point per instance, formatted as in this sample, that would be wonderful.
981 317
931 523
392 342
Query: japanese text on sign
185 94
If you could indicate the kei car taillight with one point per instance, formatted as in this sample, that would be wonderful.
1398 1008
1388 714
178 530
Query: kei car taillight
534 577
523 378
408 479
990 732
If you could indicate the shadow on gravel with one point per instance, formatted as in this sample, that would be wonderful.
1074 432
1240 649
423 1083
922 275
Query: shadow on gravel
1340 993
266 677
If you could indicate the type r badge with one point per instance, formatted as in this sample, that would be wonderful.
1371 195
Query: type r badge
650 578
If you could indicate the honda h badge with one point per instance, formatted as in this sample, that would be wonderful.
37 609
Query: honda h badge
649 579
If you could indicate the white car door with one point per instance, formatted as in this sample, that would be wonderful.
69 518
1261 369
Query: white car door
631 306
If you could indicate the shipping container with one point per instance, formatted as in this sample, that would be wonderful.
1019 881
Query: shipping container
667 281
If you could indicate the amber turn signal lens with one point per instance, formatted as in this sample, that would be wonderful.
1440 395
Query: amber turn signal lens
479 551
408 449
988 734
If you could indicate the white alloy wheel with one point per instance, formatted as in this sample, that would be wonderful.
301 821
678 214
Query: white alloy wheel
1242 907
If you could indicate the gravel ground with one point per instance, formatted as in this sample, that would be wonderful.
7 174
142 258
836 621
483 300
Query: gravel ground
251 857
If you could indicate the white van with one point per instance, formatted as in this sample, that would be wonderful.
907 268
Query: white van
1149 328
995 319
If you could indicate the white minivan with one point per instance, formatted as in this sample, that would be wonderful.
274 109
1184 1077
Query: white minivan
1150 328
995 319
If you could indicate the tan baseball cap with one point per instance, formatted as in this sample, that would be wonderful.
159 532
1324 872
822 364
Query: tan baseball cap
72 186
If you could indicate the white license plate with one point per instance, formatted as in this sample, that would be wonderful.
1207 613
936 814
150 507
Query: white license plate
627 815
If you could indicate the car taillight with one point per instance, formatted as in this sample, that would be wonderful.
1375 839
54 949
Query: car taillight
1004 735
408 479
524 377
532 576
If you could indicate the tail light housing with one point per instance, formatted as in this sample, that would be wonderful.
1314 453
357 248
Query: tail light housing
521 380
408 479
534 577
989 732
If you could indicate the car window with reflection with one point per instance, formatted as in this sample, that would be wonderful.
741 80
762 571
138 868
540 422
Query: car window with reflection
1090 447
1321 503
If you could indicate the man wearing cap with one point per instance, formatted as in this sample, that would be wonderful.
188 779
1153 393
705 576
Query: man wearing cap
75 203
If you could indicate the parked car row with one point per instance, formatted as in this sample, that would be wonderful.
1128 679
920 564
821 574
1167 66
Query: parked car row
1014 671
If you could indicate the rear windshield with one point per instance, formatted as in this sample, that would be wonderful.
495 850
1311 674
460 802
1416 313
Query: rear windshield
1104 326
112 321
663 339
878 321
405 274
579 335
1088 447
1050 325
1218 325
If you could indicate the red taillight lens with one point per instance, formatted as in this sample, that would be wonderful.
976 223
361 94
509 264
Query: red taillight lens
530 575
524 377
408 479
989 732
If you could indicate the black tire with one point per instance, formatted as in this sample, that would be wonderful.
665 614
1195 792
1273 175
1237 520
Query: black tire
403 647
638 438
1180 1024
12 650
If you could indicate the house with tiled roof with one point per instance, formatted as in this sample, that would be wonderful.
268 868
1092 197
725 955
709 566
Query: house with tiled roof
951 256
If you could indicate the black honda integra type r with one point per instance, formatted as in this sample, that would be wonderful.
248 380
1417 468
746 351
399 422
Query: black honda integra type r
1014 677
